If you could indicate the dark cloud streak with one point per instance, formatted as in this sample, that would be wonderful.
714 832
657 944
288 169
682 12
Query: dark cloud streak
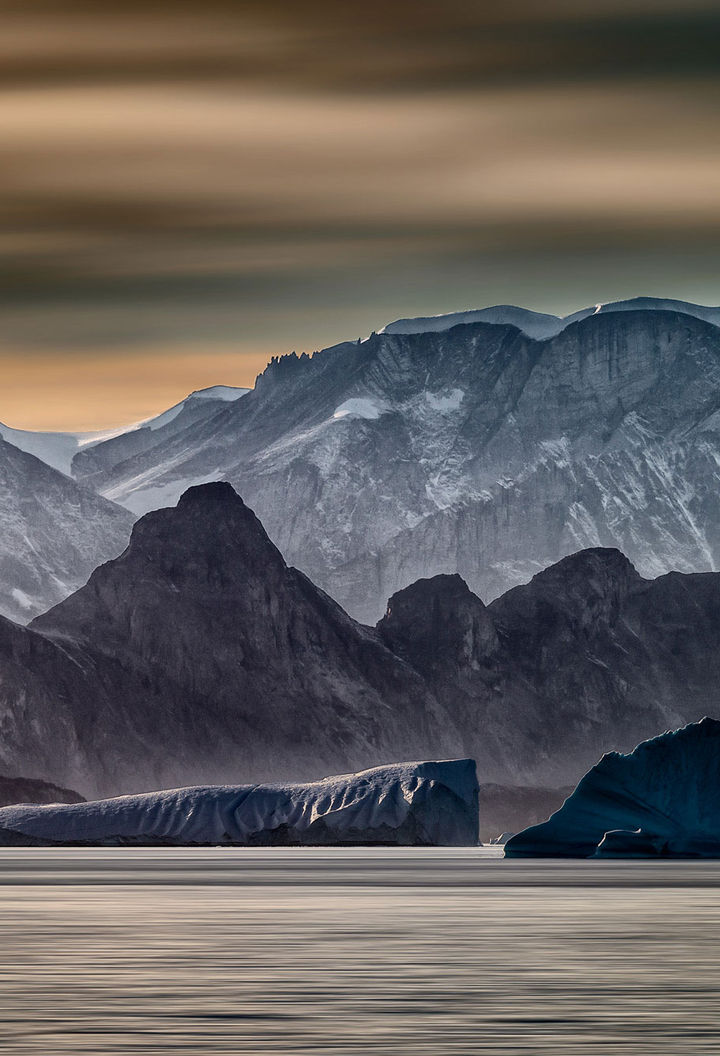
264 175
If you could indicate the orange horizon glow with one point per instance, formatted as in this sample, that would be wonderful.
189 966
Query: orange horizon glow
73 393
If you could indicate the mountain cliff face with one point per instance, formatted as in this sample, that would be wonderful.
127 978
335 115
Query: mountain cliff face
53 533
476 450
198 656
585 658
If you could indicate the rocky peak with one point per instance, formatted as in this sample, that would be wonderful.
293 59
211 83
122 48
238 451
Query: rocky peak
438 623
205 558
215 492
583 590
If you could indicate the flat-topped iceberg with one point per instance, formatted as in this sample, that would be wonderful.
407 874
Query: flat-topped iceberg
409 804
661 799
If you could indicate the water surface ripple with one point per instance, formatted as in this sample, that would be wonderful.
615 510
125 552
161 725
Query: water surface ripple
341 952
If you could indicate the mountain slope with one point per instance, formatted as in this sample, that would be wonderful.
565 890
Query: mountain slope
96 456
475 450
53 533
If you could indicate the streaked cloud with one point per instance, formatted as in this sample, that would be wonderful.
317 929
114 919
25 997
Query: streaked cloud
223 182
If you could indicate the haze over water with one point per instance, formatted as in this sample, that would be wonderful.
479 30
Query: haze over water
374 951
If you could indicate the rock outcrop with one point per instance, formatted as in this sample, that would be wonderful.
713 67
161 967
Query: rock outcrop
199 657
30 790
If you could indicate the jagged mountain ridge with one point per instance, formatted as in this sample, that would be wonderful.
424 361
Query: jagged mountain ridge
200 657
475 450
588 657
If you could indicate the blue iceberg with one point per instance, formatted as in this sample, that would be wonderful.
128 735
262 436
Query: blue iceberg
661 800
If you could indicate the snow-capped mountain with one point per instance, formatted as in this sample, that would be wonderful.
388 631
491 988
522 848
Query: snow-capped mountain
476 450
59 449
53 533
534 324
53 530
540 325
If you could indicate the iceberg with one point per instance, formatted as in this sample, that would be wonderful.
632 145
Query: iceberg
662 799
406 804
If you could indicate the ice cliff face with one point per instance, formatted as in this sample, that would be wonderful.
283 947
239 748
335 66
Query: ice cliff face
53 533
411 804
476 450
662 799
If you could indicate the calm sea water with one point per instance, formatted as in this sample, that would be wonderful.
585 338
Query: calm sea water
342 952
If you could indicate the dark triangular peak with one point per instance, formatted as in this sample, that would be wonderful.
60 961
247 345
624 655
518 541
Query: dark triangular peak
214 493
438 622
207 553
221 660
583 590
207 519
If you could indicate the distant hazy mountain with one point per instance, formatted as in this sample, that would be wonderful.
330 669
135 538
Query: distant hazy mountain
475 449
59 449
200 657
53 533
93 459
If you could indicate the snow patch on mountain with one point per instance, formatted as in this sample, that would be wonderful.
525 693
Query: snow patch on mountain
55 449
360 407
23 600
449 402
140 495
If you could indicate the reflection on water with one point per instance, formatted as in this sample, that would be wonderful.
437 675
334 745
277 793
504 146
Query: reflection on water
373 952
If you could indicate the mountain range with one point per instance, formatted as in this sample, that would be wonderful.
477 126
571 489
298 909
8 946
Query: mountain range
471 448
199 656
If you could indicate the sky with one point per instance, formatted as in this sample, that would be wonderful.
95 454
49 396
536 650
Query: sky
189 188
